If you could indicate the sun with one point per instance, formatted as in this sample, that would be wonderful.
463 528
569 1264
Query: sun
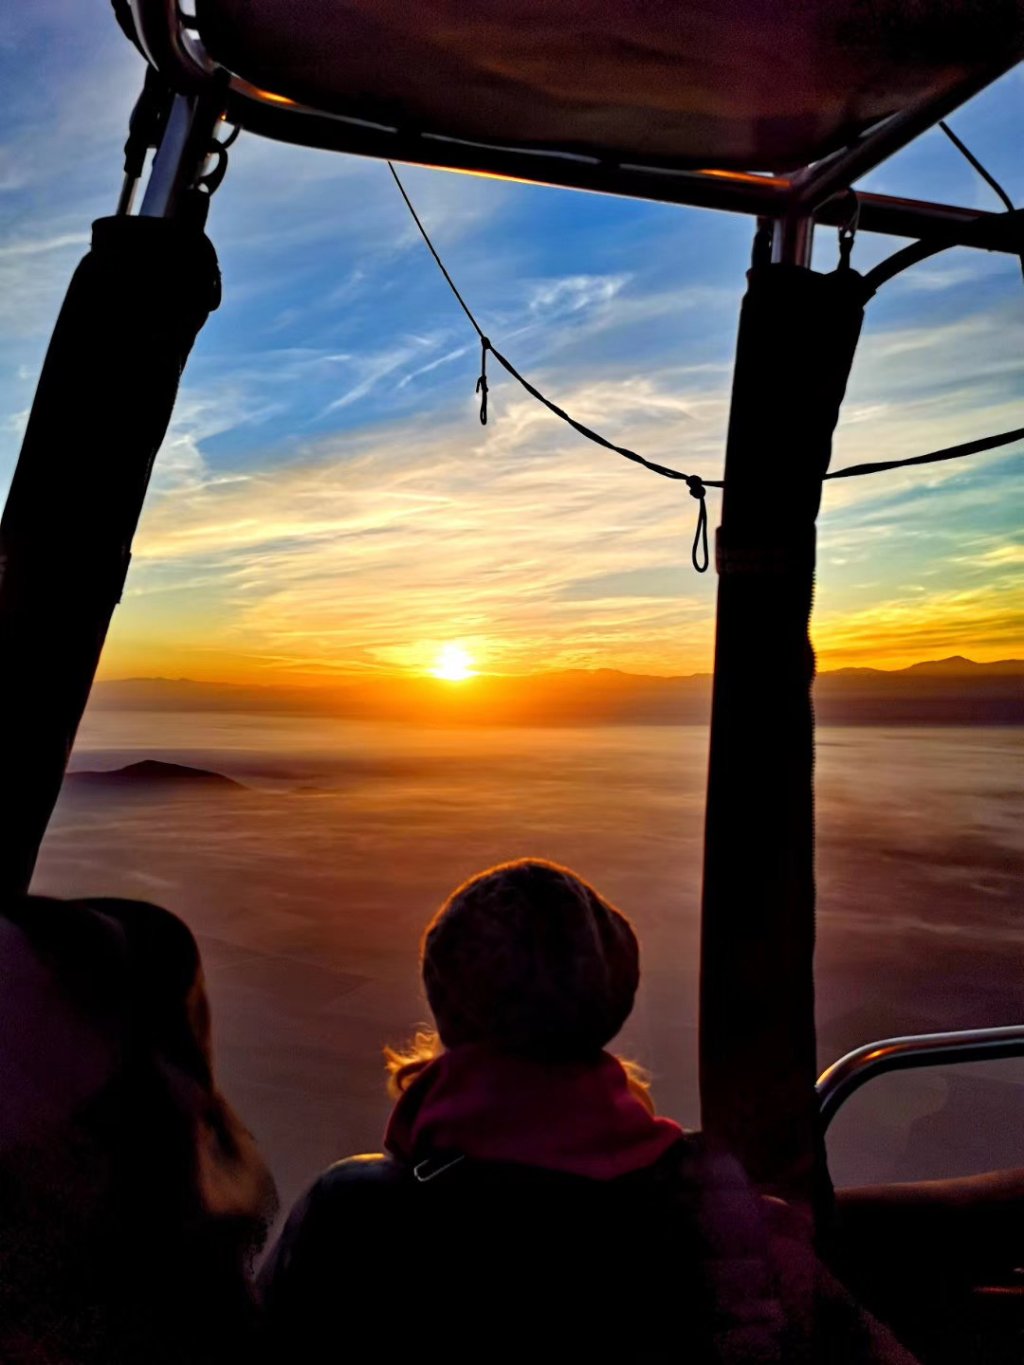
453 664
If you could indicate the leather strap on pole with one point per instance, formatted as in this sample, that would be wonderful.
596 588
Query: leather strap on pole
105 396
798 333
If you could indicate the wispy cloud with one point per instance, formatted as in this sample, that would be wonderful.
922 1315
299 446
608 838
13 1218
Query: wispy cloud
985 621
574 294
999 558
39 246
371 370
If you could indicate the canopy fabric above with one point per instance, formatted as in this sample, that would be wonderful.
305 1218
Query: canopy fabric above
749 85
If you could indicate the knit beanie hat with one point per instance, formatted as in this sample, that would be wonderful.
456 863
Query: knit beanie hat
528 958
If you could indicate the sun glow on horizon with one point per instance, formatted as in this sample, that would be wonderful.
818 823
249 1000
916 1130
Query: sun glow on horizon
454 664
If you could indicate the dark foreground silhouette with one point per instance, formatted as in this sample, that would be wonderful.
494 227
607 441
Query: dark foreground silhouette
530 1203
131 1197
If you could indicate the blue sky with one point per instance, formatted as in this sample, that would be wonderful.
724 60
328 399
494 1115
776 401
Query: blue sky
327 500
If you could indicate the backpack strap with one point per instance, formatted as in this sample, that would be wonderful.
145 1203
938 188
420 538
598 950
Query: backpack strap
710 1191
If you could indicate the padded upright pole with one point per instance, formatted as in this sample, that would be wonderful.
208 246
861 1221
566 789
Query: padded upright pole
131 315
797 337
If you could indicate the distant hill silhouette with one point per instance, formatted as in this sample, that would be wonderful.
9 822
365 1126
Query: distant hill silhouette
956 666
953 691
151 773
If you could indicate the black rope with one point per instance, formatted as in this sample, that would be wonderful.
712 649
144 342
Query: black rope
986 175
440 264
481 384
920 251
983 171
699 555
694 482
933 456
700 535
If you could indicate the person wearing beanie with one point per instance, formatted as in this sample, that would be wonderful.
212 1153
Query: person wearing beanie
530 1204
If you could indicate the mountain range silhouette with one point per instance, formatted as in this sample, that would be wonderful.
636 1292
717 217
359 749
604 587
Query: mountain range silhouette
950 691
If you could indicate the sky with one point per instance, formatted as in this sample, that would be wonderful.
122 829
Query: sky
326 501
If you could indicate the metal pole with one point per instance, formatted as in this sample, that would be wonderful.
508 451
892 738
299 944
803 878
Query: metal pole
179 158
798 333
101 410
793 240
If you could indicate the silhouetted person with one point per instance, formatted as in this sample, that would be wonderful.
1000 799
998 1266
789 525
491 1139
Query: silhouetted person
131 1197
531 1206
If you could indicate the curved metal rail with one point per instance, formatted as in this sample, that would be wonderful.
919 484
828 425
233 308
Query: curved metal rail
842 1078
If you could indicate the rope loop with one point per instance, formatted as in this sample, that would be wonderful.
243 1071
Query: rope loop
699 553
481 384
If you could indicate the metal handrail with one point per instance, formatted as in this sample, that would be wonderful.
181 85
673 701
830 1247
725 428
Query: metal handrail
842 1078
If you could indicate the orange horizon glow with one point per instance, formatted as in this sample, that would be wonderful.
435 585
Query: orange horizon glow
842 642
197 665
